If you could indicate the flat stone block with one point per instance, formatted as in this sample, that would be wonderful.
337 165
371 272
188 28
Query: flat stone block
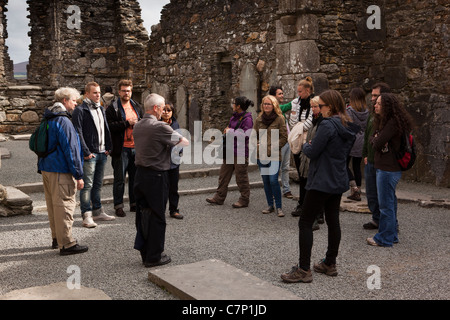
15 197
56 291
215 280
354 206
21 137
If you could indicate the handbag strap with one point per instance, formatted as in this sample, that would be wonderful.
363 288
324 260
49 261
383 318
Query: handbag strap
239 122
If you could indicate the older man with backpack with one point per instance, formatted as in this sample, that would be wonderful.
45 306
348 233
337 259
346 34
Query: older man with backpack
62 170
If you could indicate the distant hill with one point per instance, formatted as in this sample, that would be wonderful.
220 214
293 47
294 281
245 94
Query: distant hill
20 70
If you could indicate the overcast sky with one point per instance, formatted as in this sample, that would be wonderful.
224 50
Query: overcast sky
18 40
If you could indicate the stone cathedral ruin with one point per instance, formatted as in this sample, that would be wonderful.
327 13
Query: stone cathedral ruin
205 52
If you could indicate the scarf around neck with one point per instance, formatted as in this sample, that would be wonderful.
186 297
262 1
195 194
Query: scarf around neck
91 103
268 119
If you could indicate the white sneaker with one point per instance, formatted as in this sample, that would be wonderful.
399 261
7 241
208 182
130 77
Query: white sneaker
87 221
280 212
104 217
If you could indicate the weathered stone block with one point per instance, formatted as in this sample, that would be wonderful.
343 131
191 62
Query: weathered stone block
20 102
304 56
30 116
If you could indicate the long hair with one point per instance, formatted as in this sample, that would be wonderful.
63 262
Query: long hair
357 98
274 101
392 108
337 105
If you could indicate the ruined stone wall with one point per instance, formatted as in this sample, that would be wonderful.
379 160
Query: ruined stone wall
101 41
332 41
6 65
108 44
409 52
205 53
22 107
415 62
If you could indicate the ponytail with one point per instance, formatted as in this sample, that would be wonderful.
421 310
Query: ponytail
244 103
307 83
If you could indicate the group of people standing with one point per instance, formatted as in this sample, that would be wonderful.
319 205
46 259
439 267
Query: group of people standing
83 136
338 136
143 143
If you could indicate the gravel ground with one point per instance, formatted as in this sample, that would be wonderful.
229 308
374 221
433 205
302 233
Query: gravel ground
263 245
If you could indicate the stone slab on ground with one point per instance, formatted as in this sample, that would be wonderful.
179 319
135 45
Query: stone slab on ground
16 202
215 280
56 291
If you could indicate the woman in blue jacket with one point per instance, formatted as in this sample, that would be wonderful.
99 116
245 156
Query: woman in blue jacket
327 181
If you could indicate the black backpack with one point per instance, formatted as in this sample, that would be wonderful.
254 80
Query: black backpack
39 139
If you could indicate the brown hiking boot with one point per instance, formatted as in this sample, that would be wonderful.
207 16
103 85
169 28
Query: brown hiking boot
321 267
297 275
356 194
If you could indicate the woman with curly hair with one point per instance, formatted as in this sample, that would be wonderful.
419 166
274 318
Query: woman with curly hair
391 123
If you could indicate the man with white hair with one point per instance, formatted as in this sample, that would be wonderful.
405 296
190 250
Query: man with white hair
62 171
153 140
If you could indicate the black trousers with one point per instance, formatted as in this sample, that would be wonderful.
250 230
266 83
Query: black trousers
316 201
174 197
151 193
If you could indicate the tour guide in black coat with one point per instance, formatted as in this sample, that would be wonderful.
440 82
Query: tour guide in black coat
153 141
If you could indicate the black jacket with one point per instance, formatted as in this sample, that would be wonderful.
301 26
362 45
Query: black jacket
328 152
84 124
115 115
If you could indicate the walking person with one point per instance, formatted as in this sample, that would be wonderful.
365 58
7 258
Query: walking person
153 140
368 156
277 92
168 116
122 115
238 129
62 171
327 181
89 120
359 113
391 123
270 122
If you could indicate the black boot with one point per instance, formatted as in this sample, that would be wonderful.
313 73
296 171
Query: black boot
297 211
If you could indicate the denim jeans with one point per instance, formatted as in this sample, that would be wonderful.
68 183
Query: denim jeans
121 165
370 176
94 169
387 229
269 174
285 164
